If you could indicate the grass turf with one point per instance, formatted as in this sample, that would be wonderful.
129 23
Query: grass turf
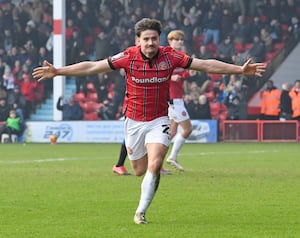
228 190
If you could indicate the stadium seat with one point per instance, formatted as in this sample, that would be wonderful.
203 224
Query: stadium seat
270 56
223 116
278 46
91 106
263 18
92 116
215 77
210 95
239 47
212 48
214 109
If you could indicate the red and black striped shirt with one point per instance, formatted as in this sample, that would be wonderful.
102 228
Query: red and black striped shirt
147 86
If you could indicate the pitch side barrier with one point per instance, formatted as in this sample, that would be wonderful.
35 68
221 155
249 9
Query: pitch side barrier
204 131
260 131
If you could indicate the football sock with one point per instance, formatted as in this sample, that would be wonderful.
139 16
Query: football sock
122 156
178 143
149 186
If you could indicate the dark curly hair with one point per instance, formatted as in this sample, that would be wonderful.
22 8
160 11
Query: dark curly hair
147 24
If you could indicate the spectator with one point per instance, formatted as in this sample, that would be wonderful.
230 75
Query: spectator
204 53
270 102
232 88
2 70
70 27
275 31
16 100
119 93
240 31
101 43
233 107
71 110
81 80
199 108
255 27
295 97
31 33
8 79
201 79
13 126
3 93
227 22
285 103
101 85
4 110
273 10
288 10
8 40
188 29
43 54
294 27
212 25
266 39
226 50
74 46
28 86
256 52
106 112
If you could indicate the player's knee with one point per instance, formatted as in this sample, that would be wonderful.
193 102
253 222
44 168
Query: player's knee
187 132
139 172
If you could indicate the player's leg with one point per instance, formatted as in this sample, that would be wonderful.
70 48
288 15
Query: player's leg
179 141
119 168
149 186
174 127
182 119
157 141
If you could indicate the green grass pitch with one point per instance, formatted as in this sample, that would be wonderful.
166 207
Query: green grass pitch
245 190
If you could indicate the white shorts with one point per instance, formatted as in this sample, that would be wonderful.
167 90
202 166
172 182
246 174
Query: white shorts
138 134
177 110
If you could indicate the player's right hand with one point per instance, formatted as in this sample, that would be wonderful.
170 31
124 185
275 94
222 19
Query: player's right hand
44 72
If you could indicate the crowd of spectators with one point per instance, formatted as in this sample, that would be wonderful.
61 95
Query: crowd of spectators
229 30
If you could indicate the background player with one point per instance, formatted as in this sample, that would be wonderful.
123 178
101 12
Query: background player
177 112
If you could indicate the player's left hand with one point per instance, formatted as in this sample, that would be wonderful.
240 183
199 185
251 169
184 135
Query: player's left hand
250 68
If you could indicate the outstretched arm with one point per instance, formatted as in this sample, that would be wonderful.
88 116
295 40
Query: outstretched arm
79 69
218 67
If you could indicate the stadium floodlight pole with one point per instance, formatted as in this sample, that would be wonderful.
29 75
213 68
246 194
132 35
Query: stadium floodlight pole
59 51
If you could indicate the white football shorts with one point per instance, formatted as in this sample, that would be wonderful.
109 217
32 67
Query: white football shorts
177 110
138 134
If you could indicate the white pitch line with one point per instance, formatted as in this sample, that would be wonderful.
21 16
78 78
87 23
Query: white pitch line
232 152
183 154
36 161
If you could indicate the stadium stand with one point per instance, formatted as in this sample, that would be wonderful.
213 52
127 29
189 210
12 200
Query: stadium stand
30 27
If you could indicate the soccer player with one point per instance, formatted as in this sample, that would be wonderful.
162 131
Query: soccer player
178 114
148 69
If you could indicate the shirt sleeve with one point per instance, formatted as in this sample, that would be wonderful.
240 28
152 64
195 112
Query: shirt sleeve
181 59
119 60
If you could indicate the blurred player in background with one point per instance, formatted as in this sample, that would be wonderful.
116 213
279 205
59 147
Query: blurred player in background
178 114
